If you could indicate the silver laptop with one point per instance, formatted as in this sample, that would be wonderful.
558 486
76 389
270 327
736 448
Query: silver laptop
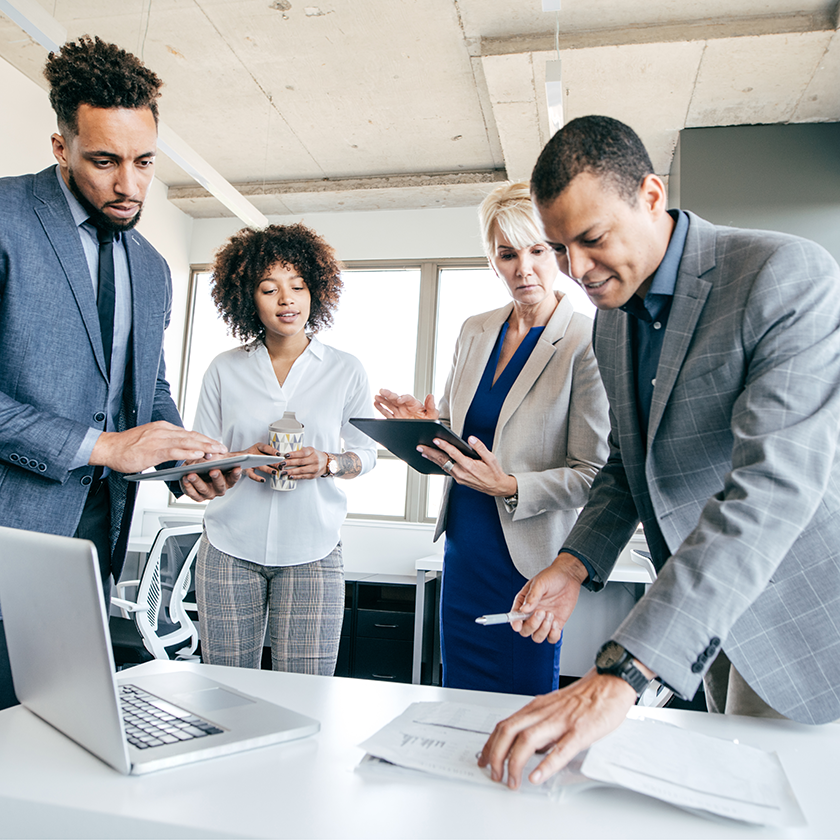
63 670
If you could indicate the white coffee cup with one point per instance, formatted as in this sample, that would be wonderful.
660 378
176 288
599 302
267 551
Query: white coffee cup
285 435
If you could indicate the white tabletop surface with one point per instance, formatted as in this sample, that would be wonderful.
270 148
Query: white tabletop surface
49 787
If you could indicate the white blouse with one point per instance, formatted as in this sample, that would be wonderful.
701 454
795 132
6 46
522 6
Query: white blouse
240 397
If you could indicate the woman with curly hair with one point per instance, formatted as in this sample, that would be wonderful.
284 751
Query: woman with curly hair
266 553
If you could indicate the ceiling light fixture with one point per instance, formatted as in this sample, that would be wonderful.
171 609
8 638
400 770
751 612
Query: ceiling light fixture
554 95
553 75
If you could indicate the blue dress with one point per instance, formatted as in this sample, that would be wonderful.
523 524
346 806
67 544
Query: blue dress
478 574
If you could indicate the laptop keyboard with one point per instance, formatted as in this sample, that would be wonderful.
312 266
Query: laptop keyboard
152 722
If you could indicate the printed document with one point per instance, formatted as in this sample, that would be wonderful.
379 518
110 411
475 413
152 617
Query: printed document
695 772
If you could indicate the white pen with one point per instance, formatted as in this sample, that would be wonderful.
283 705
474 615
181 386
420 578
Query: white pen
502 618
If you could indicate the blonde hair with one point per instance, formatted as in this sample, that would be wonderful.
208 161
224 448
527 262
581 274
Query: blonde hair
510 209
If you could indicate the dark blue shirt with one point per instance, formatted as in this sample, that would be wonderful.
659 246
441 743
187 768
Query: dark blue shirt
647 330
650 318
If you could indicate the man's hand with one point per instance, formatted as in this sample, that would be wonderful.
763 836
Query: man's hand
564 722
405 406
551 597
147 446
485 475
206 486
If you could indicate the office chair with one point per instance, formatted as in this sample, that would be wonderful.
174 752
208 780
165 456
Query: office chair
156 624
655 695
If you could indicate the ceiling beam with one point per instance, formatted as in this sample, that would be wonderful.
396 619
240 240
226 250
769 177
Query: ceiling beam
290 198
703 30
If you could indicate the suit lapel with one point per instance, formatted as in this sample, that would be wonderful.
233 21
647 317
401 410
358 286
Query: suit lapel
541 355
143 290
61 231
476 354
690 296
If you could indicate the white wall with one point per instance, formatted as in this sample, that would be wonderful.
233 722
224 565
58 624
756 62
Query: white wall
373 235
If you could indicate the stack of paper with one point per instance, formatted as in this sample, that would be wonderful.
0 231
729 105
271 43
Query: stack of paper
692 771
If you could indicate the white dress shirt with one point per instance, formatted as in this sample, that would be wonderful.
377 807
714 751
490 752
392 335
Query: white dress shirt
240 397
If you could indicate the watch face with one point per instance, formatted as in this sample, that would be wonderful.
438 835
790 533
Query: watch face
333 466
610 655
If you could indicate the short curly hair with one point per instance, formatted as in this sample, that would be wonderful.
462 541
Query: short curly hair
598 145
90 72
247 258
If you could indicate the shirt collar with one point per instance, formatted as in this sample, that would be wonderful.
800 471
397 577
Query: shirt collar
80 215
665 278
315 347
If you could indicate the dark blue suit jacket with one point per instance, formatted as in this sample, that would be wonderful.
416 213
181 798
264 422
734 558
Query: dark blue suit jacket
53 381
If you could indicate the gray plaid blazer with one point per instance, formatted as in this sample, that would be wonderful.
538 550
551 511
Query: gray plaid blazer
741 473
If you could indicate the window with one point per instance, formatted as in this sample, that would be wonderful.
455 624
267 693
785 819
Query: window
402 321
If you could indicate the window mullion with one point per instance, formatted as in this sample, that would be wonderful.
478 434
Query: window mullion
417 484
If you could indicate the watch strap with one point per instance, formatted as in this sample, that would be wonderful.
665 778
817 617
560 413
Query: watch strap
625 668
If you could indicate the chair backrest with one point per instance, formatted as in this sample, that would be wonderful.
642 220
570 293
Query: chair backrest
165 581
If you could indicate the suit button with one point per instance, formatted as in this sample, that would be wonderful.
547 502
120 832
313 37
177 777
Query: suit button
24 462
714 641
42 467
697 667
99 416
710 651
87 480
14 457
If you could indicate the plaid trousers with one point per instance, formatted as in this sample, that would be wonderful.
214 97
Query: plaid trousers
304 607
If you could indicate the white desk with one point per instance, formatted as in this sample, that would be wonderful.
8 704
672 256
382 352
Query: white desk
49 787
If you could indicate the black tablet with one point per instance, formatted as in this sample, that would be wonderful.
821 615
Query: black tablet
174 473
402 437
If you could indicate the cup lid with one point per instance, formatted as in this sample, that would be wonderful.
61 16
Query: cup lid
287 423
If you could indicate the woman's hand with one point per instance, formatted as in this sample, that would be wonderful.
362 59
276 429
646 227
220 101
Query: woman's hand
486 475
405 407
304 464
259 474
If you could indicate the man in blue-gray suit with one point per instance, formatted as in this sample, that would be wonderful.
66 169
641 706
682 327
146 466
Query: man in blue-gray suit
84 302
719 350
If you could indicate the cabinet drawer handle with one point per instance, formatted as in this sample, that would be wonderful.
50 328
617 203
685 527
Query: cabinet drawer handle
383 676
388 626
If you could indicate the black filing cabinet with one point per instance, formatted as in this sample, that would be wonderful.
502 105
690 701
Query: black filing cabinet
377 639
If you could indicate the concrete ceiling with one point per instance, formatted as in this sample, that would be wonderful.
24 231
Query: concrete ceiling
313 105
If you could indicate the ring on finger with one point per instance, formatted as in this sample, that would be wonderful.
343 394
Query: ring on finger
447 467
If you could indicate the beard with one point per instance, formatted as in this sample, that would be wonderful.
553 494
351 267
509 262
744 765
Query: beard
97 216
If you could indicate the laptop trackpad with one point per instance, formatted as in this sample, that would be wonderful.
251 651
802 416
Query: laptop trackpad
211 699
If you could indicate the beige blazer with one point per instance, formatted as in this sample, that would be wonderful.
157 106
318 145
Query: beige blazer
552 429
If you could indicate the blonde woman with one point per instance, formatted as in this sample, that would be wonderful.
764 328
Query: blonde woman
525 392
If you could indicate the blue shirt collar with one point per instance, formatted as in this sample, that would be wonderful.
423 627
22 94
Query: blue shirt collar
80 215
665 278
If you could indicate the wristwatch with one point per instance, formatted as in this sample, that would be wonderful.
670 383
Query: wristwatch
332 466
612 658
511 501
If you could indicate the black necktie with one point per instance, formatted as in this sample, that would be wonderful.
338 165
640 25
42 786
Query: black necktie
105 294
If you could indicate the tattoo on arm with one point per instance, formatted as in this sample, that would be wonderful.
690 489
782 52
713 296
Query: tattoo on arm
349 465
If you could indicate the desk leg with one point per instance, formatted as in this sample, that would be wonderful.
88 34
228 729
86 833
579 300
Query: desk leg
419 610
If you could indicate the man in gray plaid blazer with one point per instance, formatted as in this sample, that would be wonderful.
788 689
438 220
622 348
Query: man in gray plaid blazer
719 350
